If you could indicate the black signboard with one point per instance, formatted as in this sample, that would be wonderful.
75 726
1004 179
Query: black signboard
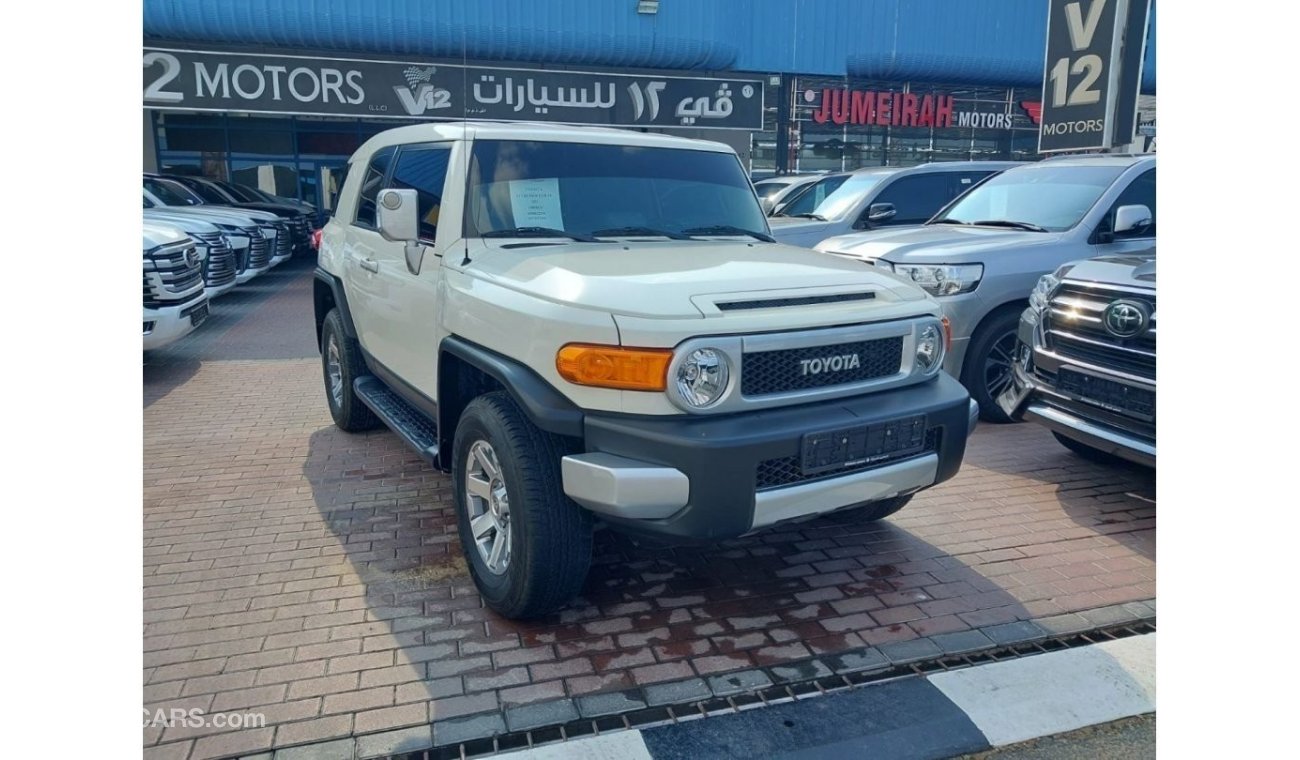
1080 74
192 80
1130 71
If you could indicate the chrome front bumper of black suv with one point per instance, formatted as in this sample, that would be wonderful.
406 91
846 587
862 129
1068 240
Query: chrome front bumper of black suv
1036 394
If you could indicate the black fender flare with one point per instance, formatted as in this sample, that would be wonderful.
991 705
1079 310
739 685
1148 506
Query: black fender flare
340 302
546 407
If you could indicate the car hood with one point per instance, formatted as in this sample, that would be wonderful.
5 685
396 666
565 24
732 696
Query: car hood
190 222
676 279
1137 270
157 233
240 217
934 243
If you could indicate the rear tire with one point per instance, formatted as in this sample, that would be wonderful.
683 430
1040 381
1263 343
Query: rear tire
506 480
879 510
987 368
341 364
1087 452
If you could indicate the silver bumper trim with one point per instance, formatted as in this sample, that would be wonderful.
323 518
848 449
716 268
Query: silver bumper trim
831 494
974 416
1096 436
623 487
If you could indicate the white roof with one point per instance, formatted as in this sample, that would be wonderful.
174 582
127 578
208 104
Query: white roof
527 130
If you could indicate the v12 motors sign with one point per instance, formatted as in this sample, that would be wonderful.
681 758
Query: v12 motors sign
194 80
1080 76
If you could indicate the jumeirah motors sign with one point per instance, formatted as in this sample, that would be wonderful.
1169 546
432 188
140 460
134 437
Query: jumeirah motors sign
193 80
1081 74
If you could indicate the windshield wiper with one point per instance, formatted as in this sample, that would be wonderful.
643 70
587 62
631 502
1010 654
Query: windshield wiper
809 215
727 229
1008 223
522 232
638 231
947 221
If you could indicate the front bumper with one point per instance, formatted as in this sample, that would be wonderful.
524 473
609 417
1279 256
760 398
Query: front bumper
697 477
1033 396
168 324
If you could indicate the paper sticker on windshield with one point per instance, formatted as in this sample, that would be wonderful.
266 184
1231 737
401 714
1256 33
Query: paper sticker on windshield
536 203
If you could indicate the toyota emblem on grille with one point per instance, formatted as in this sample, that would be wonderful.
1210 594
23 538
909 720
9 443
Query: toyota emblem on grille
830 364
191 257
1125 319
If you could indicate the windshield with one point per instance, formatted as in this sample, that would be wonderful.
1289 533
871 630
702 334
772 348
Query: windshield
241 193
207 192
165 193
582 188
812 196
1054 198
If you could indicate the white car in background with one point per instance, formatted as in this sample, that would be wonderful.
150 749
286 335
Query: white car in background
175 301
773 191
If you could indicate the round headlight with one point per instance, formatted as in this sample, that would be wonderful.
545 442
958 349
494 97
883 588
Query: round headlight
929 348
702 377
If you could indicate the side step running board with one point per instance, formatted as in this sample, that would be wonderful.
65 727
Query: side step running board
410 424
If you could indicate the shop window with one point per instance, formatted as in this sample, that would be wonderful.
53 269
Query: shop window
328 143
261 142
198 140
274 178
371 184
424 170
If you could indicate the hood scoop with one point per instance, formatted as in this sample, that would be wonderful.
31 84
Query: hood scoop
778 303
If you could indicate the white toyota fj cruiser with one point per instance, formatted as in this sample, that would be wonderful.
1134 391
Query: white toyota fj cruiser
589 324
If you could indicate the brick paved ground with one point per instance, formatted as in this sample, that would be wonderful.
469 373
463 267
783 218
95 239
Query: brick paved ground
315 577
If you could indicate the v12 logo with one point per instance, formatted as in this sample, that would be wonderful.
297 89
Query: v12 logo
421 94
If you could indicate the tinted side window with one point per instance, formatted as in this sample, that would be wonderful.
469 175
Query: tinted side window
918 197
1140 192
424 170
371 184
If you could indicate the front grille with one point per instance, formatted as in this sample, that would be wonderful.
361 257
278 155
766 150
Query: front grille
1074 329
171 273
795 369
789 471
283 239
220 267
259 250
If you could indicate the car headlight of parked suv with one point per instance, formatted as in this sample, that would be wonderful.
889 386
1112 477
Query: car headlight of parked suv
942 279
929 348
1042 292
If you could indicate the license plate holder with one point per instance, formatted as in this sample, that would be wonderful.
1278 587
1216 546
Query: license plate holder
858 445
198 314
1106 393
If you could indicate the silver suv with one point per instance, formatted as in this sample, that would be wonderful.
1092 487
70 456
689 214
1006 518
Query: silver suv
983 254
876 198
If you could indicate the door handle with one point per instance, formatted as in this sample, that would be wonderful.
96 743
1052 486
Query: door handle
369 265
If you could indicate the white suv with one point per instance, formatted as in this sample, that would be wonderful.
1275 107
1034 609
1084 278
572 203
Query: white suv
174 299
588 324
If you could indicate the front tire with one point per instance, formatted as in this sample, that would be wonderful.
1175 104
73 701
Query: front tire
988 365
527 545
341 364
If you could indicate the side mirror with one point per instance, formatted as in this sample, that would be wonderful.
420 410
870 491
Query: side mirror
881 212
399 222
1135 218
767 205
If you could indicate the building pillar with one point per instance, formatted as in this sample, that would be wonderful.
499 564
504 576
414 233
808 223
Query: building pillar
783 127
150 146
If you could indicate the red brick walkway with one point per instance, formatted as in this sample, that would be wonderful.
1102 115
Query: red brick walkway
315 577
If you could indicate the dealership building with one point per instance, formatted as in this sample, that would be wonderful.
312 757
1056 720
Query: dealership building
279 93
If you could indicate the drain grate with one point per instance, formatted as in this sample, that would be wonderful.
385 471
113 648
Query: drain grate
651 717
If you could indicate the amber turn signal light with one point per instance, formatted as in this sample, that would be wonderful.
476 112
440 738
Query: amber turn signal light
629 369
947 335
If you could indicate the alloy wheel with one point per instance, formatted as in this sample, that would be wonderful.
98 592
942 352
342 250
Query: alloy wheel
488 503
